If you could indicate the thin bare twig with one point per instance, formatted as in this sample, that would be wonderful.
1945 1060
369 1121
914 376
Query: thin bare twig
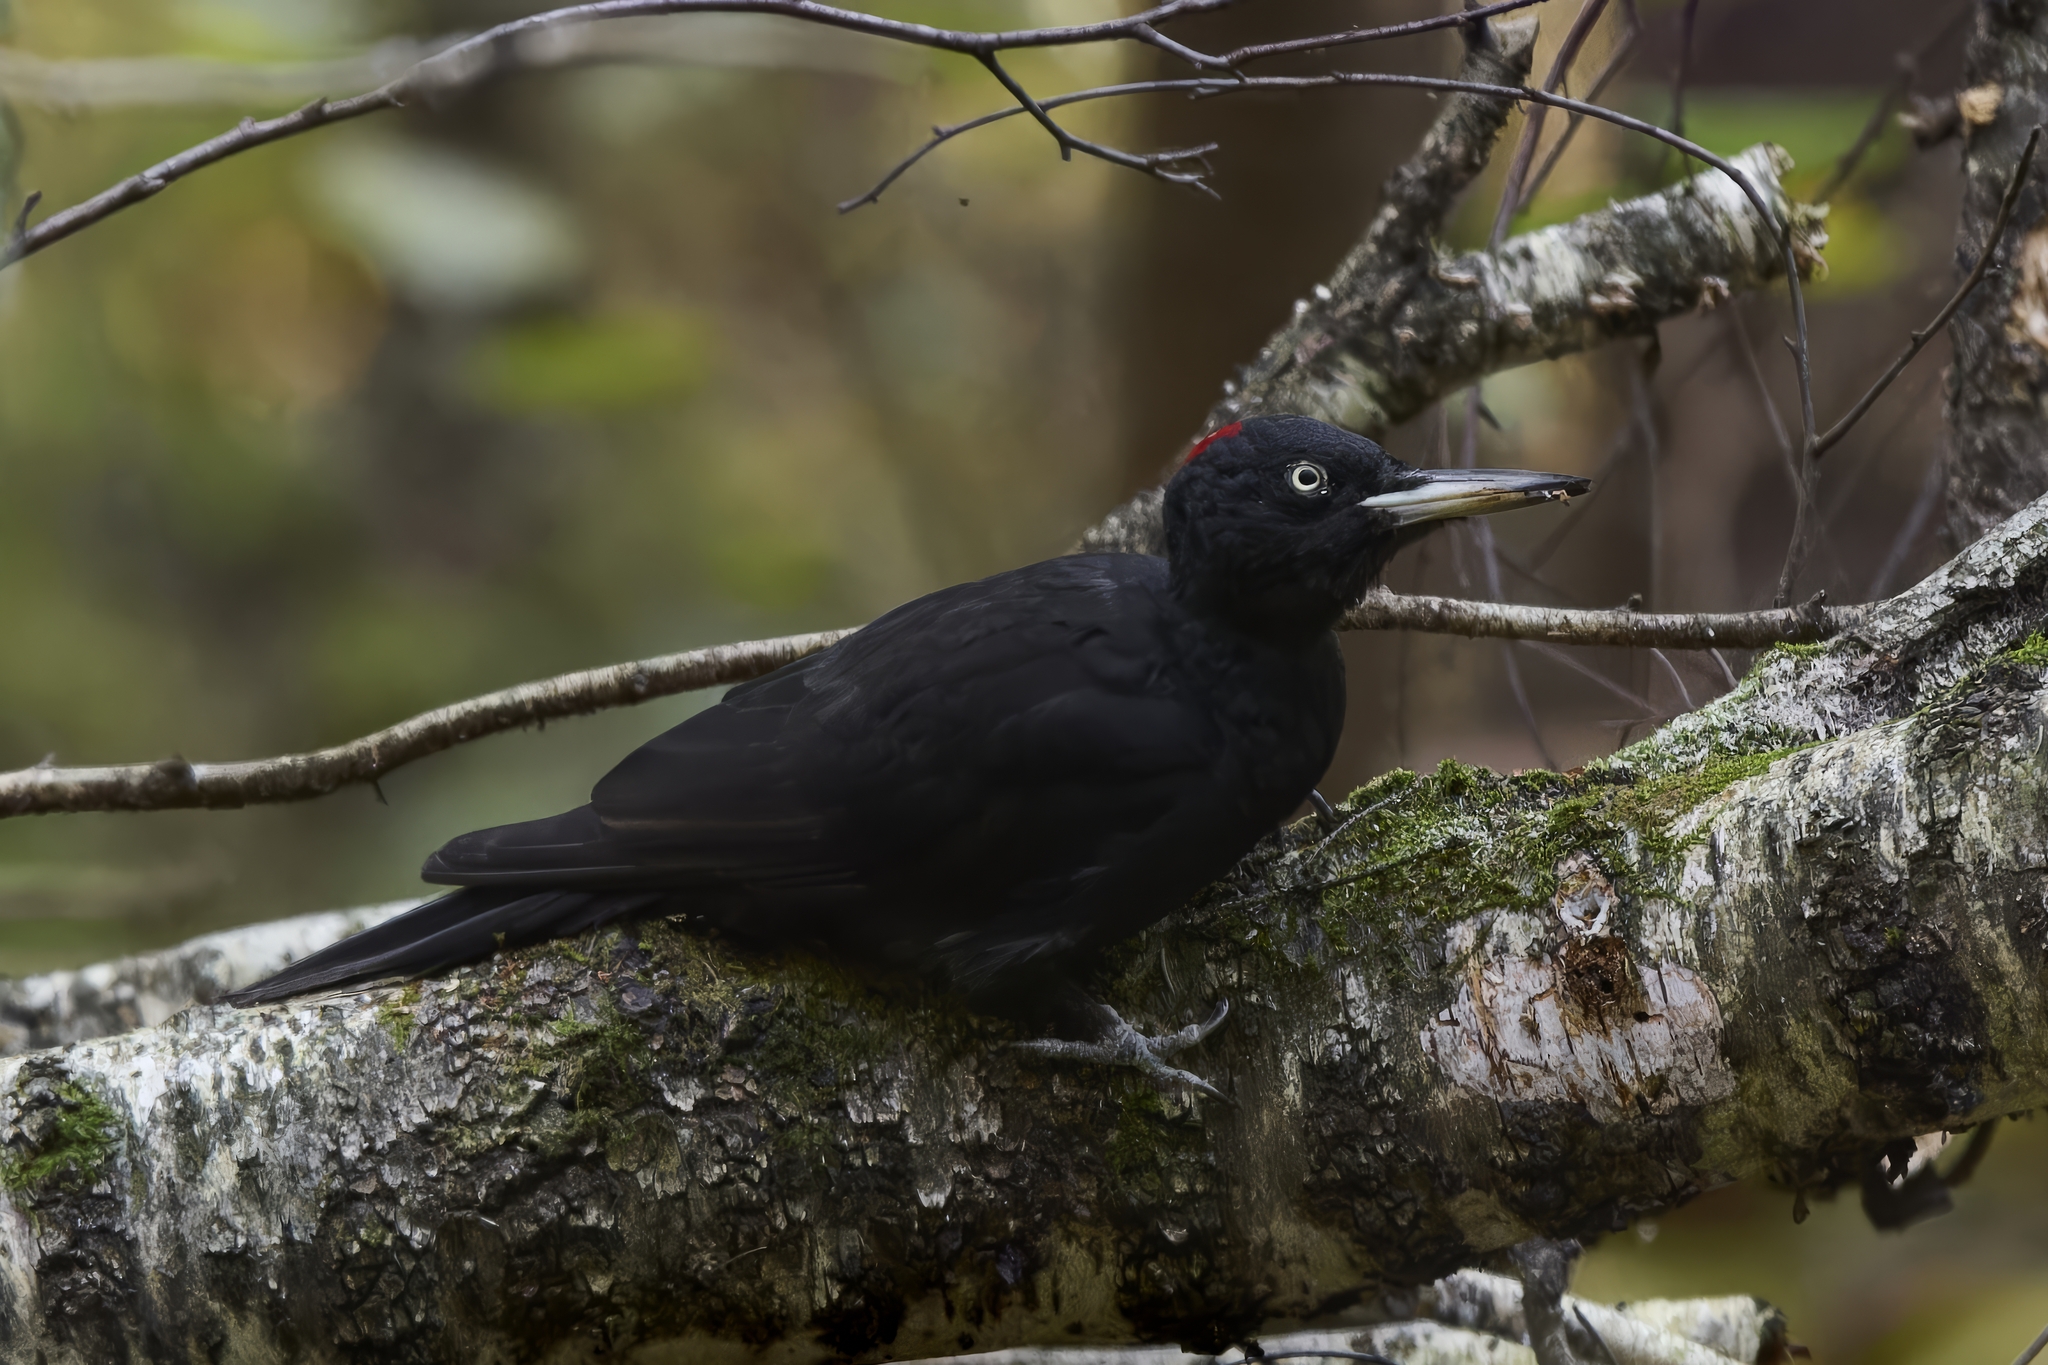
1873 129
2040 1344
1205 86
1237 57
1880 117
1740 332
1617 61
494 51
1683 75
1726 672
175 783
178 784
1653 469
1164 165
1618 450
1627 694
1920 338
1511 197
1510 665
1671 669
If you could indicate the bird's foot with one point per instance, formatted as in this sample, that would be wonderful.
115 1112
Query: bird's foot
1122 1045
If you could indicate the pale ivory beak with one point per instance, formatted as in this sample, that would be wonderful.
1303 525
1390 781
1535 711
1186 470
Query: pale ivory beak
1447 493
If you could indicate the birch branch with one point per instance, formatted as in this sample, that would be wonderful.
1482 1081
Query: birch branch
1785 931
1398 326
1390 333
142 991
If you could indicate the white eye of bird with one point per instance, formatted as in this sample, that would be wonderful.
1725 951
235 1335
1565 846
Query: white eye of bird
1308 479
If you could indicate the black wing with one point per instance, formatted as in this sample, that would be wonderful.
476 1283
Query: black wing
1016 736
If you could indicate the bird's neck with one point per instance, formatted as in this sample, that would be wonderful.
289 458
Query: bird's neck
1288 616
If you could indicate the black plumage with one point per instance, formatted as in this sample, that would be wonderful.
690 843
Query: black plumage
1001 773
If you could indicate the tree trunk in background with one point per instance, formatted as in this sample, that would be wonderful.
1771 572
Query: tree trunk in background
1208 281
1997 452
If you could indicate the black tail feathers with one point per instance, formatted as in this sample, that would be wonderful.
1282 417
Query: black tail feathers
466 925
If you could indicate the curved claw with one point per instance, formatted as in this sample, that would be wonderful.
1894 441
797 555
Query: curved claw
1122 1045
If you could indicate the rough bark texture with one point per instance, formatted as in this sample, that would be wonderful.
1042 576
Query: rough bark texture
1788 928
1997 454
1399 325
56 1008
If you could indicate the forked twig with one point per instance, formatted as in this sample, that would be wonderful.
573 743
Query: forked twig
495 51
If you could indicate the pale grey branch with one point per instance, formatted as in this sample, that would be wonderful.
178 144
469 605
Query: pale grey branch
175 783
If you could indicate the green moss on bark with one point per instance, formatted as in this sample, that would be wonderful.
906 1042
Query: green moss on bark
75 1134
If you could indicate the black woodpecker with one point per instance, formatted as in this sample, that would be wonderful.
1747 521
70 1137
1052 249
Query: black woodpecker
999 776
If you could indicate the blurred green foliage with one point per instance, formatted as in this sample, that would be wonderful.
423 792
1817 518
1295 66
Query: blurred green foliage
1965 1288
611 363
581 367
585 367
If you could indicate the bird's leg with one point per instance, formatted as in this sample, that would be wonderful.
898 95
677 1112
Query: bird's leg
1122 1045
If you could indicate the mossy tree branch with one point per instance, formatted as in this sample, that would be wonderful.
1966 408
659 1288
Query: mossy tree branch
1787 929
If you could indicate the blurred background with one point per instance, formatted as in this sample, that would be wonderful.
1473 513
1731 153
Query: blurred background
584 366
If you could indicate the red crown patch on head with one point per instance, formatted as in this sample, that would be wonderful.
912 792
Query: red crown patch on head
1217 435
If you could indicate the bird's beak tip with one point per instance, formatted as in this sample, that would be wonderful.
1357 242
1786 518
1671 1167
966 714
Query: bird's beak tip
1442 494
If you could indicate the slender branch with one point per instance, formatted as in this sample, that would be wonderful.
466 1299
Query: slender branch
1917 517
1210 86
1512 197
1808 466
1739 331
1909 69
1384 610
147 184
1683 75
1461 19
177 784
1789 242
1616 61
1873 129
1920 338
495 50
2040 1344
1159 164
1644 706
80 84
